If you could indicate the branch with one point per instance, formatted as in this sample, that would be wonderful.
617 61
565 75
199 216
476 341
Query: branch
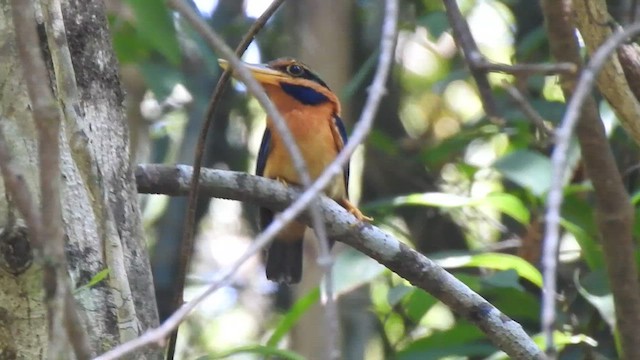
528 110
61 313
67 92
464 40
613 208
629 57
406 262
359 133
215 42
593 20
524 69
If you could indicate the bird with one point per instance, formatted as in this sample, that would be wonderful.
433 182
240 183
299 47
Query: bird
312 113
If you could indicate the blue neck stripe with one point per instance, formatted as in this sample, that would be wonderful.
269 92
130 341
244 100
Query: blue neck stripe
303 94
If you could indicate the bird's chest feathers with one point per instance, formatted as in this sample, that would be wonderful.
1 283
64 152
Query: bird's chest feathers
311 129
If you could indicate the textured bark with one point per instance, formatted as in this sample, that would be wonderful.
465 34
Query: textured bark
629 57
592 20
100 208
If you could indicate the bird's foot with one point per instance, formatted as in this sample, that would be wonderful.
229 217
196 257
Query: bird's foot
282 181
352 209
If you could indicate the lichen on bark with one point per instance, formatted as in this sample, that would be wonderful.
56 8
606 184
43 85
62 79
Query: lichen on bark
99 199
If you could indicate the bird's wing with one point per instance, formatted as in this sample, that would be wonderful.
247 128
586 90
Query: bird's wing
266 215
265 148
340 138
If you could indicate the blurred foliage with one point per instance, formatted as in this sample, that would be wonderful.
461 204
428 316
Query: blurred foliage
492 180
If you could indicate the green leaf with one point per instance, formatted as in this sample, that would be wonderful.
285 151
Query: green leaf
359 80
635 198
154 24
515 303
508 204
353 269
128 45
292 316
528 169
160 77
560 339
596 292
433 199
256 349
436 22
505 279
461 340
450 148
579 220
94 280
496 261
398 293
595 289
532 43
591 251
418 303
207 55
383 142
503 202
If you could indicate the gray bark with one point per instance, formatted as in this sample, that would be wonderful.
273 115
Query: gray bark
100 204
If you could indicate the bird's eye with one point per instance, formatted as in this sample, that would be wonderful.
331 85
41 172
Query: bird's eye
295 70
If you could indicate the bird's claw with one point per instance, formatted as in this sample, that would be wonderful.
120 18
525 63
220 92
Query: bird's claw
353 210
282 181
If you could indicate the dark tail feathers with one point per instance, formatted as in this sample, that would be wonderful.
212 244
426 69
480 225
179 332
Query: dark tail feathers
284 261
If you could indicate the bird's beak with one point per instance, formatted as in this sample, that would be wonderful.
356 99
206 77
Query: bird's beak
262 73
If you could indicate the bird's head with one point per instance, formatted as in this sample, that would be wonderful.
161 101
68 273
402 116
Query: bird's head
292 79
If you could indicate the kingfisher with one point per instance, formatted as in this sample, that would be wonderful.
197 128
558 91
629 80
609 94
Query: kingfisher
312 113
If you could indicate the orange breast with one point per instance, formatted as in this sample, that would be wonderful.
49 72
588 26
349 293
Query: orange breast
311 128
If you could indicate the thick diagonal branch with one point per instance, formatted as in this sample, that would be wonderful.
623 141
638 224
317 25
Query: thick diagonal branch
505 333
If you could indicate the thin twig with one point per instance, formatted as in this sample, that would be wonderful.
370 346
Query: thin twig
186 245
526 69
360 131
465 41
559 167
50 231
68 95
376 91
298 161
528 110
409 264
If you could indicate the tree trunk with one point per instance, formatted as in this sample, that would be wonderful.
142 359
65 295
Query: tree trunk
99 198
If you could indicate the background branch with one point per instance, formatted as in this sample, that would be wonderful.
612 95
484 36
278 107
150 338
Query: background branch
536 119
524 69
612 83
614 213
464 41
